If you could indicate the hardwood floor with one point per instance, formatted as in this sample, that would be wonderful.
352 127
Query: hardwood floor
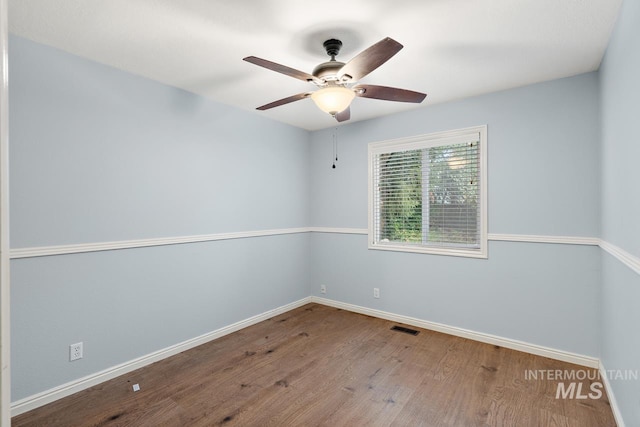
317 365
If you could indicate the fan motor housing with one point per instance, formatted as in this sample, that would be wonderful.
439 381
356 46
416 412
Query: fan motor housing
328 70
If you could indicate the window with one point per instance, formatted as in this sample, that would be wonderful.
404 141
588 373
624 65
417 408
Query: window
428 193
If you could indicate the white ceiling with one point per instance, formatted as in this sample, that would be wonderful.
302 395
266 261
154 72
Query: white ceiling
452 48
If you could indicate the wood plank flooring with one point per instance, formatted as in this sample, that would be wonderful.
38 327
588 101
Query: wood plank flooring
318 365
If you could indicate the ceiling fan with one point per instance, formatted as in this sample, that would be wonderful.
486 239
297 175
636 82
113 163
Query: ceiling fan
336 79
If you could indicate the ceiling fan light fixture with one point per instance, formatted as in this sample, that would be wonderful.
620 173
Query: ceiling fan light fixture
333 99
335 79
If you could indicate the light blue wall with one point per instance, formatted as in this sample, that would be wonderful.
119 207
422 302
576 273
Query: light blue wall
620 92
100 155
543 157
620 338
544 294
620 87
543 180
128 303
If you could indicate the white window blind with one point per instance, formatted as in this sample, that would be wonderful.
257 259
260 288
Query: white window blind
427 194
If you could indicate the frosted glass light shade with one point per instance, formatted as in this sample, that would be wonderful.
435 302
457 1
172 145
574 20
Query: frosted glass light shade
333 99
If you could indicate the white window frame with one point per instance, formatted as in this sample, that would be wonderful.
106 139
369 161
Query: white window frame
426 141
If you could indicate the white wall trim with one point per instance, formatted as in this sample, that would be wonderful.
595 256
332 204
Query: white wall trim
530 238
623 256
551 353
626 258
338 230
162 241
617 415
32 402
143 243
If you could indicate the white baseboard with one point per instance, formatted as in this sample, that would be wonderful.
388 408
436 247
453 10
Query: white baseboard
617 415
578 359
32 402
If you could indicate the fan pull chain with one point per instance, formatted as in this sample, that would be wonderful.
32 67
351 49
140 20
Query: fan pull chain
336 133
335 147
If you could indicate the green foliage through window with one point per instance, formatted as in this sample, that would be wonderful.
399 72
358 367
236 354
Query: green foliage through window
429 195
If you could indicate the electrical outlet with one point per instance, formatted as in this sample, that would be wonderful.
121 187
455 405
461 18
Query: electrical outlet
323 289
75 352
376 292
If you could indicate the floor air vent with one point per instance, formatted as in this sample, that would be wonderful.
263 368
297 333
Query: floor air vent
405 330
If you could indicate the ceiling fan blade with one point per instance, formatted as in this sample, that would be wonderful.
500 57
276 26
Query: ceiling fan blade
281 69
388 93
284 101
369 59
344 115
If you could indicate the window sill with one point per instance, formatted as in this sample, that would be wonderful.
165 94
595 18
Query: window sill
466 253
